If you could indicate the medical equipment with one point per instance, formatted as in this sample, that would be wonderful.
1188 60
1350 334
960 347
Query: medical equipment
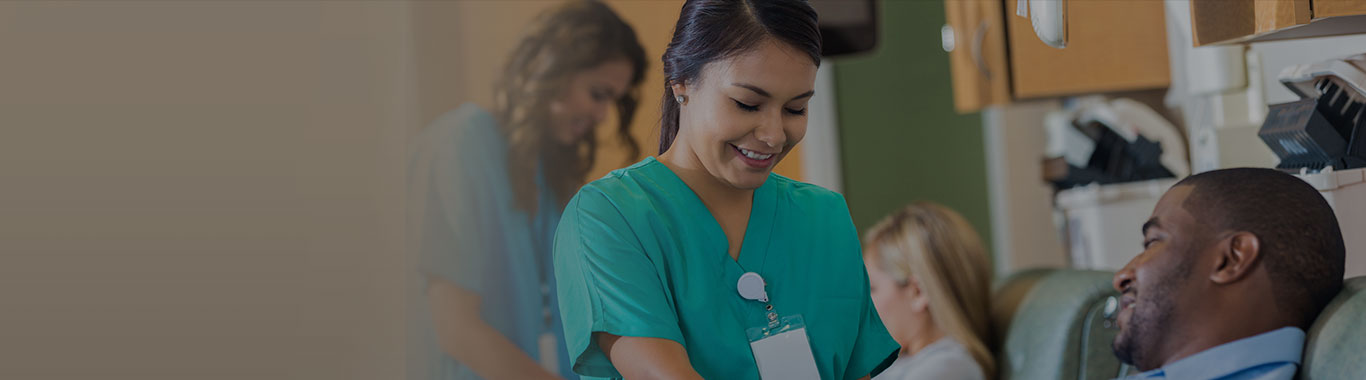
1320 139
1324 128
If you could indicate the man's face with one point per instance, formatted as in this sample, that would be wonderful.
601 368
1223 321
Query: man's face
1156 285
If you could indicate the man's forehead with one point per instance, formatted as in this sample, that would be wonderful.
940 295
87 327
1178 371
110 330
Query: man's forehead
1172 208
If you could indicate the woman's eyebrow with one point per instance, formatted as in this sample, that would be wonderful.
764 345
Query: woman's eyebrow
765 94
754 88
607 88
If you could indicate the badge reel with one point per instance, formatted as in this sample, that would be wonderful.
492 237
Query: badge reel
781 347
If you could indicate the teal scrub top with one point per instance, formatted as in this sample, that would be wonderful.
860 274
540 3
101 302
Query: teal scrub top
466 230
637 254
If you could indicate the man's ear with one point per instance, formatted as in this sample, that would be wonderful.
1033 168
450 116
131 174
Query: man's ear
1238 254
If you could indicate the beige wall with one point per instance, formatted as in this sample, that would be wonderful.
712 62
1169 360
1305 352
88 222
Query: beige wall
485 31
1024 233
202 190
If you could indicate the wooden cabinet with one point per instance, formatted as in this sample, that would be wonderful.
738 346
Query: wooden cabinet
1111 46
1336 8
1240 21
976 39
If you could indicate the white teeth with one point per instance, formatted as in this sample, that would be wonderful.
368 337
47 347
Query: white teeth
752 154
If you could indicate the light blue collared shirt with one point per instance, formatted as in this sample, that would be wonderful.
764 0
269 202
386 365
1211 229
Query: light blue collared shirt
1272 355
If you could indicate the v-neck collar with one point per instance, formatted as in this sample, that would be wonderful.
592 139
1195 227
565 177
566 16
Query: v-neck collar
758 229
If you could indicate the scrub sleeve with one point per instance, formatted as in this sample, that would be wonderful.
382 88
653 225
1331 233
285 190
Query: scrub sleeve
452 243
607 284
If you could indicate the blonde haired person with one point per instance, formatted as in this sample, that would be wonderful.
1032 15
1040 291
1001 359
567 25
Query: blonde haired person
931 281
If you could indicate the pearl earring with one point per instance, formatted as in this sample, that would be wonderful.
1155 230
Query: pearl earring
681 99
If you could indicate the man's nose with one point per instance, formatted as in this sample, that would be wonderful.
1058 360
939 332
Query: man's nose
1123 278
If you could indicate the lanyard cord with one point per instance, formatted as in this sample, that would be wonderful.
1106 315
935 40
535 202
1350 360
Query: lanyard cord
539 227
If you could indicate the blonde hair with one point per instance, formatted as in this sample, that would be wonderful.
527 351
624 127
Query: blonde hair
937 247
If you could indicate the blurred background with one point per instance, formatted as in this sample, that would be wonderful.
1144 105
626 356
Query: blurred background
215 189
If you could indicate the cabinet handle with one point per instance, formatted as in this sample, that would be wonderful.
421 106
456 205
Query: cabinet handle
947 39
979 38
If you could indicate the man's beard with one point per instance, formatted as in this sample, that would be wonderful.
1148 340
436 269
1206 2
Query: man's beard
1147 327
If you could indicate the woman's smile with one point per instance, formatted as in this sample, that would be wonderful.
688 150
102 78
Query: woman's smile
755 158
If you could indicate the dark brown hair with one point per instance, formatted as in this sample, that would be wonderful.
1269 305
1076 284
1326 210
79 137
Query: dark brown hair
566 40
711 30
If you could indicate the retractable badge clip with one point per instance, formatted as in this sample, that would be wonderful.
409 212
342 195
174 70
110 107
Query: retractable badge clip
781 348
751 287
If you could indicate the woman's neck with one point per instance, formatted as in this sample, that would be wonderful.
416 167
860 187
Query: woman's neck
922 337
714 193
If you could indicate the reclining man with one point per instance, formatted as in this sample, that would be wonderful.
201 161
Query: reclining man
1236 266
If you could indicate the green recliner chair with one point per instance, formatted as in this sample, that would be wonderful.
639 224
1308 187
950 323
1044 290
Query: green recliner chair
1058 324
1336 347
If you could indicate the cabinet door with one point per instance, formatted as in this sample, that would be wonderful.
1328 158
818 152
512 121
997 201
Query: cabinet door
1216 21
1335 8
1112 45
975 37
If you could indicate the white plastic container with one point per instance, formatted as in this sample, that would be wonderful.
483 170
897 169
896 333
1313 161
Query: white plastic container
1346 192
1102 223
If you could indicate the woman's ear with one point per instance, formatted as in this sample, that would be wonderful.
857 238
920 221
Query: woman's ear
1236 258
679 89
919 299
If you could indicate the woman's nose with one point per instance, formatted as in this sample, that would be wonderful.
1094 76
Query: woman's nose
599 113
770 132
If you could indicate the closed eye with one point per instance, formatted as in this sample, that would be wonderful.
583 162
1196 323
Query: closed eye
796 112
1148 242
601 95
746 107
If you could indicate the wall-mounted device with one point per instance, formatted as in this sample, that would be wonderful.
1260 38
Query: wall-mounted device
1049 18
1110 141
1326 126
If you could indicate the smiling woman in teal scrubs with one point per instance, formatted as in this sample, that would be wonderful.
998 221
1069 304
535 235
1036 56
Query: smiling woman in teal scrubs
648 258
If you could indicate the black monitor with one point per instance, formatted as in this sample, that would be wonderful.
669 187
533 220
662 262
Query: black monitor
847 26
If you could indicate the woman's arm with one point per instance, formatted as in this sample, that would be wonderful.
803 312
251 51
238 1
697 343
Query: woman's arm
647 358
465 336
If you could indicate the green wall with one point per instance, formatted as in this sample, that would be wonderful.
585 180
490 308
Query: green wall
900 138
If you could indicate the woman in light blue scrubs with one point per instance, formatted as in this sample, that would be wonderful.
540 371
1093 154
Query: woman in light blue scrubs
487 189
652 260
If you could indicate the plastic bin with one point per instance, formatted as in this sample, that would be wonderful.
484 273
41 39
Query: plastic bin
1346 192
1102 223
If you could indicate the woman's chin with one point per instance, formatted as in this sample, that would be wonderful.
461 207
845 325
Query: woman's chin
748 180
568 138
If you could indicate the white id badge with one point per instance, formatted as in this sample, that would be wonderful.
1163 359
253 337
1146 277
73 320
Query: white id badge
783 351
550 355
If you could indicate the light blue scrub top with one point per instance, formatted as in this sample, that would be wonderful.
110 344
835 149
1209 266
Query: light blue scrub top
467 231
638 254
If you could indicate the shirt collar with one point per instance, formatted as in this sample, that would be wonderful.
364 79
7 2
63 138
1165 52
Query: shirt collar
1284 345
